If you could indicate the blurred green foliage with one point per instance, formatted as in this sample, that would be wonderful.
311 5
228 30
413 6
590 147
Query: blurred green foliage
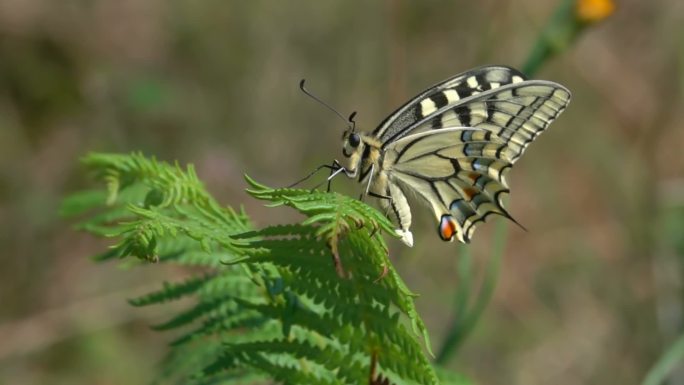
591 294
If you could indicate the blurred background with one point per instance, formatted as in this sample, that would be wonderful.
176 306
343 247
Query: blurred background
591 294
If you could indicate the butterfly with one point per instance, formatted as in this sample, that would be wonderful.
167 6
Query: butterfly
451 148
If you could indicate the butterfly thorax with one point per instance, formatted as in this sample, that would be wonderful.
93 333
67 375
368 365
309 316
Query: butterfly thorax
364 154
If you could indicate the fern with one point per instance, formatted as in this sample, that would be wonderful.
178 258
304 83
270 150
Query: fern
317 302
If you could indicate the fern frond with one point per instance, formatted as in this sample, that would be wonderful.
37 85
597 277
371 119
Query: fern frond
334 213
270 303
172 291
170 184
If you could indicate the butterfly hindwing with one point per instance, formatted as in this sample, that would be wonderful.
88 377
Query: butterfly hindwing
459 172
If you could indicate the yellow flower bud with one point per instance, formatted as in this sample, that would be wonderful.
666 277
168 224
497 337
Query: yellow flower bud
592 11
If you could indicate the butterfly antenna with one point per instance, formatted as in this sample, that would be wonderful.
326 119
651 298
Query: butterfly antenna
351 120
314 97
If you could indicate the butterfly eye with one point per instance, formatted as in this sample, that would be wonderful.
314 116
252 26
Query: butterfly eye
354 140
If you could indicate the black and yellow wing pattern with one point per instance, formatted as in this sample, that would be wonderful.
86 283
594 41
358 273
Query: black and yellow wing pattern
453 145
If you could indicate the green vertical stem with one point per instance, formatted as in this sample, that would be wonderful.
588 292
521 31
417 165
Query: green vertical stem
465 282
464 319
564 27
669 361
560 32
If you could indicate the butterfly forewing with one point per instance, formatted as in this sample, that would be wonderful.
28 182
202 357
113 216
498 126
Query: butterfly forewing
450 92
516 113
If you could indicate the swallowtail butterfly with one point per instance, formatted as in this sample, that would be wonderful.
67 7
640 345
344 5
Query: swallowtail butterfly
452 146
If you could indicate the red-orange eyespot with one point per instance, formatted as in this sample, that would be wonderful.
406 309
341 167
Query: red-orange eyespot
447 227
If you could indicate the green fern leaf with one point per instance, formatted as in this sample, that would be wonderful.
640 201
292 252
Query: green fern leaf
274 303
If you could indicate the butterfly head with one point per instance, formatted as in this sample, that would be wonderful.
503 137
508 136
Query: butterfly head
352 148
352 143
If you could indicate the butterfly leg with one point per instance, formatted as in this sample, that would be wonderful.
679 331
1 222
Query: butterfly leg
335 169
316 170
379 196
371 172
388 199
